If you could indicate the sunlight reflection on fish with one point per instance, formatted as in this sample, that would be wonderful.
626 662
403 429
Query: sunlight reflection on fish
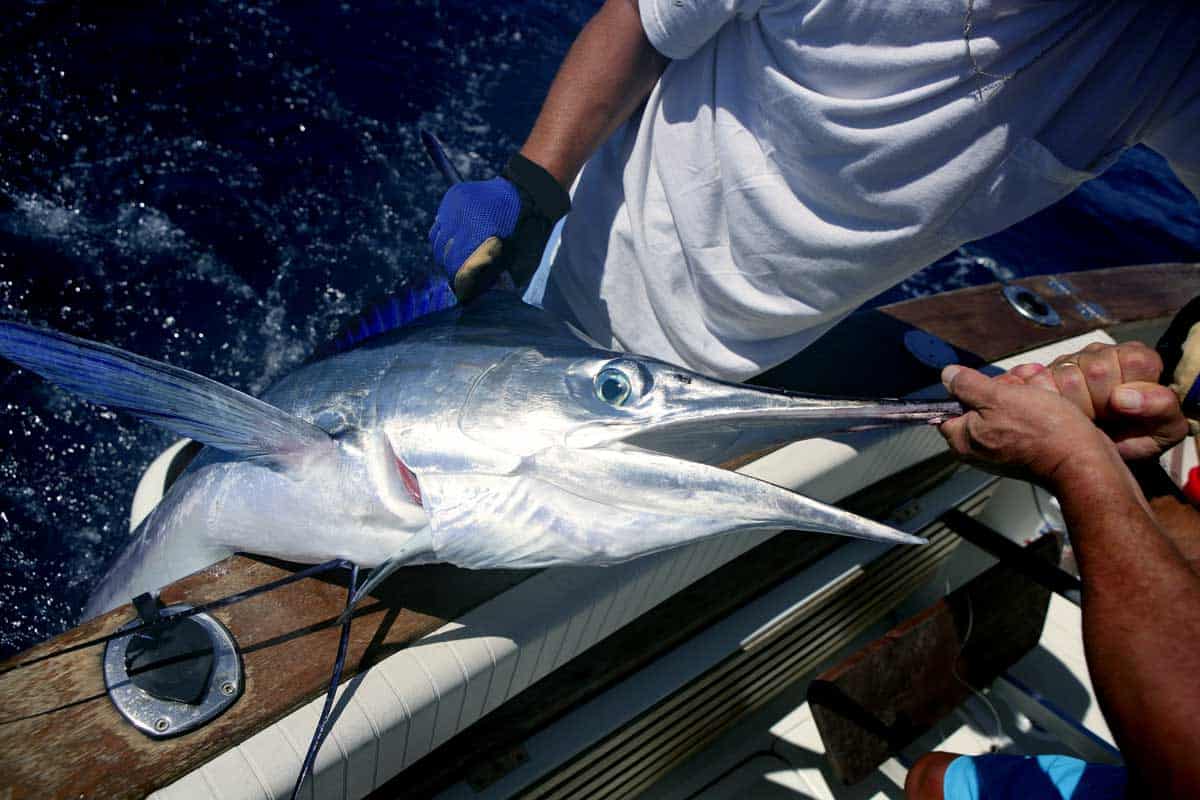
487 436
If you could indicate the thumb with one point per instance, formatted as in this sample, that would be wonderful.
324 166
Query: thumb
973 388
480 271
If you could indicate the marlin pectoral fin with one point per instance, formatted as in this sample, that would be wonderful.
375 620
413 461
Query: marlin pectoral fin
176 399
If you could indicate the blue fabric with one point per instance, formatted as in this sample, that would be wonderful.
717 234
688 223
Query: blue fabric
471 213
1003 777
1191 401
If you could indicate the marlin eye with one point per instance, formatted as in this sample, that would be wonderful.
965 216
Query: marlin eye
612 386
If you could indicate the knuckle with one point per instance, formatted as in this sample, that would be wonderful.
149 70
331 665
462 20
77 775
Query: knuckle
1135 361
991 439
1026 370
1070 381
1138 359
980 430
1095 369
1043 380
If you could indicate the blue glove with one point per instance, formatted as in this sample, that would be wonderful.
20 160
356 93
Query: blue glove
485 227
471 222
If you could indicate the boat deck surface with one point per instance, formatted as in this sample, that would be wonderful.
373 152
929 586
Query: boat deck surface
778 754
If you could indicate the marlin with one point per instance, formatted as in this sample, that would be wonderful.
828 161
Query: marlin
490 435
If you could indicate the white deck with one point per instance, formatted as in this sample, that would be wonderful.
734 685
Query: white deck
777 753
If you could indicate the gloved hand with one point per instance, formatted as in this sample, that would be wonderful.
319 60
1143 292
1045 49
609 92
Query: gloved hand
485 227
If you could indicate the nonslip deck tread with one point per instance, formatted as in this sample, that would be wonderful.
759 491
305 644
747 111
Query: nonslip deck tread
890 692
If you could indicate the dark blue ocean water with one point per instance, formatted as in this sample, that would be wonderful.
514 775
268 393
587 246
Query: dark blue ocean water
220 185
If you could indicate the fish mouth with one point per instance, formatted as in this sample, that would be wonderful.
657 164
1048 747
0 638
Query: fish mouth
699 499
674 451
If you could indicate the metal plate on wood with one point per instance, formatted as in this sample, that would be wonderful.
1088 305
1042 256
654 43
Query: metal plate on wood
1030 305
159 717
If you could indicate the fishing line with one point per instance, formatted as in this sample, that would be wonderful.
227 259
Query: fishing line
318 738
228 600
760 753
999 734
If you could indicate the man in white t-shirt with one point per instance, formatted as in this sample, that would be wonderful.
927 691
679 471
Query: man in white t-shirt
744 173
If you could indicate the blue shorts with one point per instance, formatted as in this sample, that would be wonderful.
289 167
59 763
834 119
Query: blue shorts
1001 777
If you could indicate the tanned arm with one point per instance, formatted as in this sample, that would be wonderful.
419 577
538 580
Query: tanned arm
1141 625
1141 599
607 74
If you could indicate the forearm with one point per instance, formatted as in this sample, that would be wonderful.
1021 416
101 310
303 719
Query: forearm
1177 519
1180 523
608 72
1141 626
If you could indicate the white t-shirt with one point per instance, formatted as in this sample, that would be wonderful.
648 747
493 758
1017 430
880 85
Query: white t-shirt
798 157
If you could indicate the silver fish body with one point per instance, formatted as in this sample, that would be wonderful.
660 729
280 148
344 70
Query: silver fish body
495 436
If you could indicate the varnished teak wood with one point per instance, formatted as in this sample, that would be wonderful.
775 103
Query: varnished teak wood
61 737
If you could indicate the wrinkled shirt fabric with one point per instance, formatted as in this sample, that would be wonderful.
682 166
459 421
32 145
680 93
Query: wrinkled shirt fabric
797 158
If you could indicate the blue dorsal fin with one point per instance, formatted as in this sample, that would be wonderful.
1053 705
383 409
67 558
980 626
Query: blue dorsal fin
421 299
180 401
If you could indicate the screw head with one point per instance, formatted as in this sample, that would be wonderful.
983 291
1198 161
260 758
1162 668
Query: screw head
161 724
228 688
